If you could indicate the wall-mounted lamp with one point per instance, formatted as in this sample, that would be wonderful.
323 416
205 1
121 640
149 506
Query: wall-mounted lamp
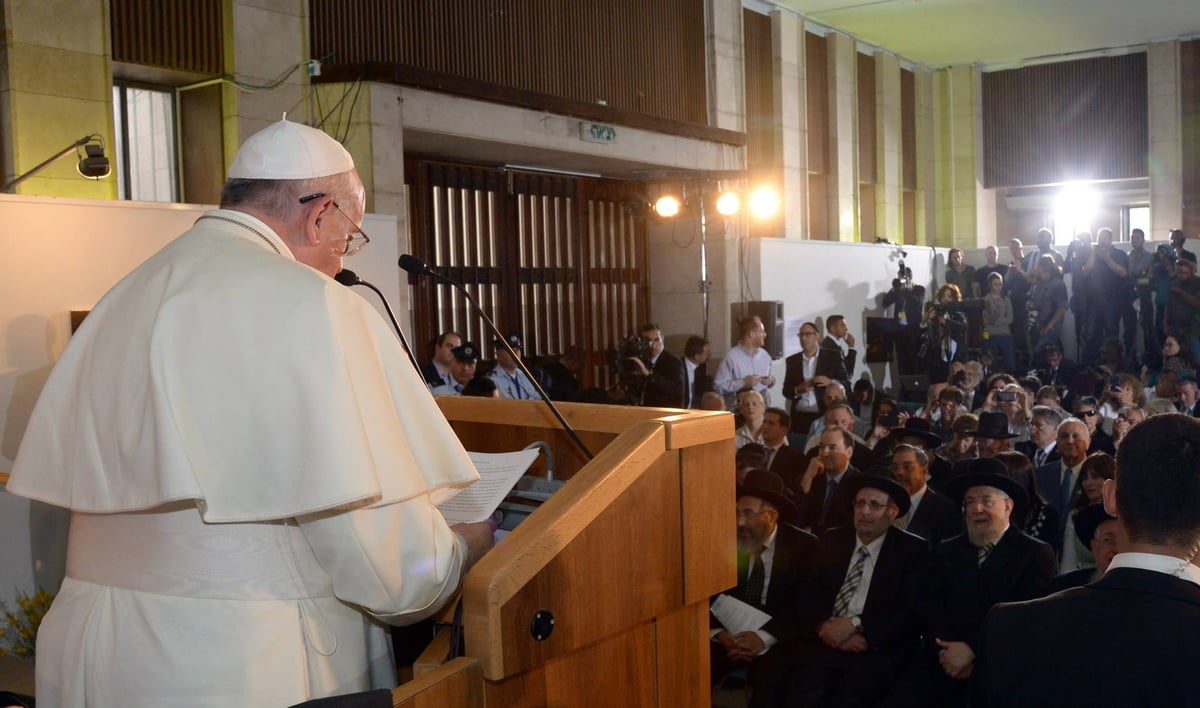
92 162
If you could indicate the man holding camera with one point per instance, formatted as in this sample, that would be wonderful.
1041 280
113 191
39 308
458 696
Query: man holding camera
908 301
661 372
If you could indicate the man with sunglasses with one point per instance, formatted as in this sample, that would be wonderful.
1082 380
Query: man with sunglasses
251 463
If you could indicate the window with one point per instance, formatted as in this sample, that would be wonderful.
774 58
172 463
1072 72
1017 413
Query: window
1135 217
145 153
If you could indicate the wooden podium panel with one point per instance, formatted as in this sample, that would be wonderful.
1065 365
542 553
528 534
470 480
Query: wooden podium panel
623 558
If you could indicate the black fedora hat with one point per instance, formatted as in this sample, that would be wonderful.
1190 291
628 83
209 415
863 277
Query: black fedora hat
1087 520
882 479
985 472
994 425
916 428
768 486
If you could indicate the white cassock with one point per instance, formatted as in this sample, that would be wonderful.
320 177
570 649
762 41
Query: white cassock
253 466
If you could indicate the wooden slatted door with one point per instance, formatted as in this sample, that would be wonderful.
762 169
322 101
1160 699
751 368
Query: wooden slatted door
560 259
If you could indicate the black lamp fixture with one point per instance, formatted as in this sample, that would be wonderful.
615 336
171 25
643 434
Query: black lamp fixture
92 162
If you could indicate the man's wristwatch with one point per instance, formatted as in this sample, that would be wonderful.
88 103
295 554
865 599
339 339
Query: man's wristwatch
856 622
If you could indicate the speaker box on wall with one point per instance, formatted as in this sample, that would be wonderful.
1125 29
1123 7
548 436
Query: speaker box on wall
771 314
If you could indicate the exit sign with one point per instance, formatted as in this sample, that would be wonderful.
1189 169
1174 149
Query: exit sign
597 132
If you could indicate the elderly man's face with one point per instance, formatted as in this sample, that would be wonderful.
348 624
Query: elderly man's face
834 392
839 418
986 511
1073 442
1187 393
336 224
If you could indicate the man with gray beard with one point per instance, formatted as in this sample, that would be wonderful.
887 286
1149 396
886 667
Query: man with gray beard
992 562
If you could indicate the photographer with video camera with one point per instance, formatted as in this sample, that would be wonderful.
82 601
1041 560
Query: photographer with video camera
907 300
943 329
652 376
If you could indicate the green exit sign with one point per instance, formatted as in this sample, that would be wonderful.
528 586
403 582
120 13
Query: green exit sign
597 132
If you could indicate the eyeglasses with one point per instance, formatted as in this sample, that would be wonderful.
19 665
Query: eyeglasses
869 505
1039 426
357 238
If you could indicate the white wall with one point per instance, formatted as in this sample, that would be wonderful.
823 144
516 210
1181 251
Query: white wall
62 255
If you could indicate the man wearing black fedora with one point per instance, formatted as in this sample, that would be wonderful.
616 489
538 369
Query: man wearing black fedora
1127 639
855 622
992 562
993 436
773 555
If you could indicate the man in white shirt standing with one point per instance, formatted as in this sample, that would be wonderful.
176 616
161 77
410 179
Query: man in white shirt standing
1145 610
747 365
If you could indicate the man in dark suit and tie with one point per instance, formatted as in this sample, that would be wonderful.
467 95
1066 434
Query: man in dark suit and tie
932 516
695 371
820 493
1140 623
1058 371
773 556
839 339
662 375
992 562
854 624
1042 446
808 372
1186 388
1058 481
782 459
436 371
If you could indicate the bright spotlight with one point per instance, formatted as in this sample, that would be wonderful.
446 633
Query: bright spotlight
1074 209
729 203
667 206
764 203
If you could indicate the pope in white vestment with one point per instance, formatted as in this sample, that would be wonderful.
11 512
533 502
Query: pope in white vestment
252 465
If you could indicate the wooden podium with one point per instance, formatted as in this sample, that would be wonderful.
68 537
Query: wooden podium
600 597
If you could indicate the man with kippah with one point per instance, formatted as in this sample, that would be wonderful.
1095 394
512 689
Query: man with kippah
251 463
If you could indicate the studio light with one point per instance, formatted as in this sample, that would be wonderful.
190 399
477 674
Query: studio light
764 203
667 206
729 203
92 162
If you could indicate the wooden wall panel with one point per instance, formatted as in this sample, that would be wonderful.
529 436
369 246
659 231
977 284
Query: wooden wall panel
908 128
1078 120
636 56
816 74
173 34
867 139
761 125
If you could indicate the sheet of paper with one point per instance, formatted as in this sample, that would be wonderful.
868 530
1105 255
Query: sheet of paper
498 473
738 616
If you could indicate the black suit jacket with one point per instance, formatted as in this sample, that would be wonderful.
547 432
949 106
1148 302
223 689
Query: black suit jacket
890 622
961 591
664 387
794 550
829 363
1063 376
936 519
1139 626
789 463
1029 448
699 385
848 360
430 373
841 506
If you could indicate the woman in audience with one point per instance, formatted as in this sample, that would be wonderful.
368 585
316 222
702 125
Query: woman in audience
1127 417
1087 409
1096 468
751 406
1120 391
997 321
1038 519
1176 358
1098 531
1012 401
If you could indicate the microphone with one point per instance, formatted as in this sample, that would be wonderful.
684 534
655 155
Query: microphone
416 266
348 278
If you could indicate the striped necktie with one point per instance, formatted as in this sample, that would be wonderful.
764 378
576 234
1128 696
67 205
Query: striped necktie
842 602
985 552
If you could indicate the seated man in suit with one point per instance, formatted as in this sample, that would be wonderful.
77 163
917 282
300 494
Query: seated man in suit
839 414
992 562
855 624
782 459
772 558
932 516
820 492
1054 369
695 371
661 374
1136 622
436 371
1043 436
1058 481
808 372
